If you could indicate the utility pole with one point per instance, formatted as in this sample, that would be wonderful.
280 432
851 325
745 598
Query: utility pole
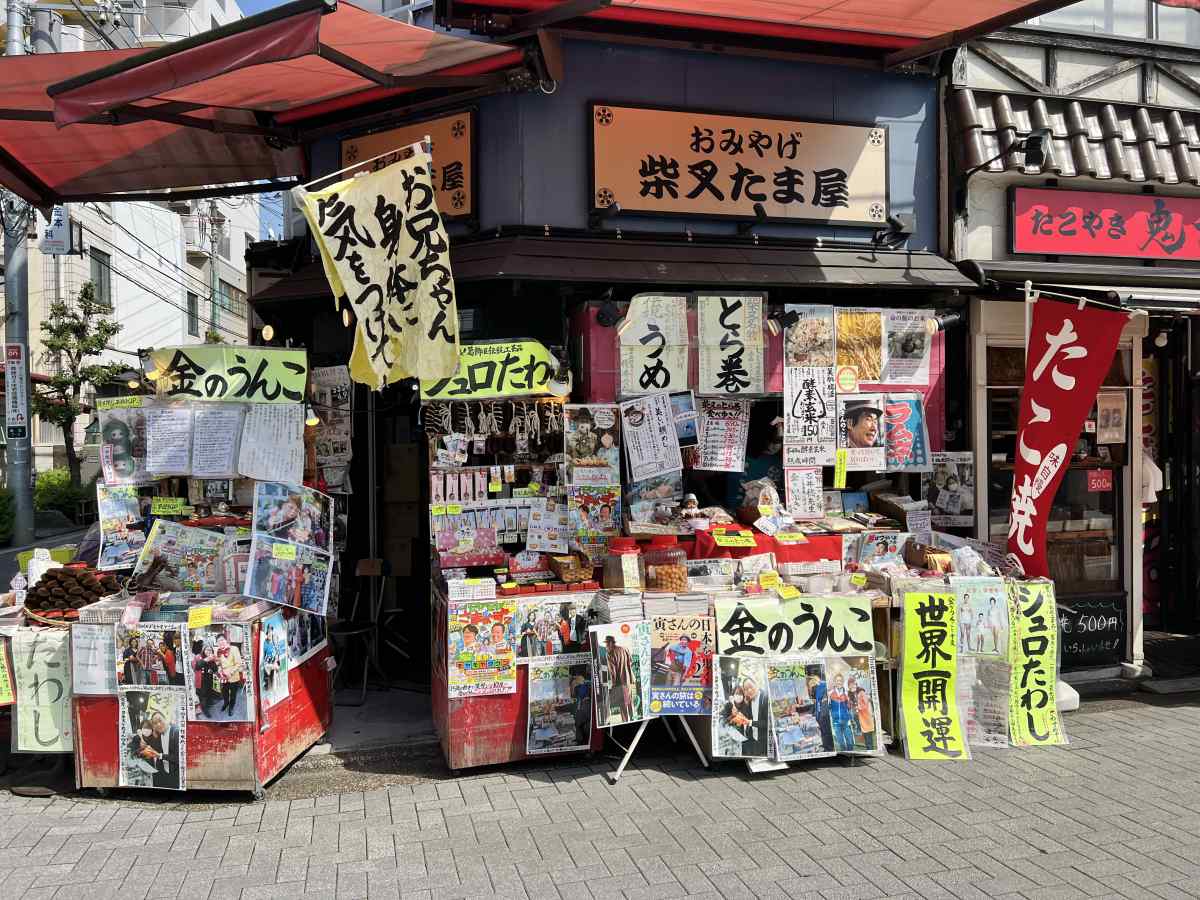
216 225
16 324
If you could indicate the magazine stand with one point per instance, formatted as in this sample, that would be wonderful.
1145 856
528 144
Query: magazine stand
629 751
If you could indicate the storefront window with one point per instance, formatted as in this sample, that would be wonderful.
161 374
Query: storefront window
1116 18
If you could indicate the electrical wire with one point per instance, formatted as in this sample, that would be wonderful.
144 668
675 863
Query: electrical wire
134 237
206 297
154 293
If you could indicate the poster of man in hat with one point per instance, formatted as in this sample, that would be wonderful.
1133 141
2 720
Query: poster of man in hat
860 417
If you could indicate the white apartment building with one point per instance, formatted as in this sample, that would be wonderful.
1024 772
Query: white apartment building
152 263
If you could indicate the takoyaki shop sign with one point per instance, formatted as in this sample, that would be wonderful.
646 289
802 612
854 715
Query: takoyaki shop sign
241 374
495 369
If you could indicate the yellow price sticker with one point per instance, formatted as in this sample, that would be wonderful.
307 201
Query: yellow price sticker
438 510
495 487
733 538
283 551
787 592
534 487
766 510
199 616
769 580
791 537
839 468
168 506
454 509
859 579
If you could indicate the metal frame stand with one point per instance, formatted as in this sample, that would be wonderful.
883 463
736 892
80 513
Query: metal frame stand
629 751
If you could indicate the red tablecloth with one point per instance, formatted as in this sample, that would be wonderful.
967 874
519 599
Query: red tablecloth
819 547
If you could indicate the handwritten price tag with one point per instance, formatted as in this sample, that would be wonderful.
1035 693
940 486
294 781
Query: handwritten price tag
283 551
733 538
859 579
453 509
438 510
768 580
766 510
839 468
791 537
200 616
495 487
168 506
787 592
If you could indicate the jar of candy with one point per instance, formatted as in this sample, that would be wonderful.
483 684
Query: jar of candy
624 569
666 565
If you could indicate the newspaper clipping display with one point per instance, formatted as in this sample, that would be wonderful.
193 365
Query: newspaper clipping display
152 737
621 666
560 704
481 657
682 649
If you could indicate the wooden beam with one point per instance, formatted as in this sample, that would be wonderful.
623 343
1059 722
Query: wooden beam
985 52
1100 77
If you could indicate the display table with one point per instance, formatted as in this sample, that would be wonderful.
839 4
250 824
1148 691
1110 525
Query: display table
819 547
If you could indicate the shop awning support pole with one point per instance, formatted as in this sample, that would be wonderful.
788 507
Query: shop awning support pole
372 487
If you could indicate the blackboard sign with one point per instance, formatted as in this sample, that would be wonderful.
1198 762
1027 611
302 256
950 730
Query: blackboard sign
1092 631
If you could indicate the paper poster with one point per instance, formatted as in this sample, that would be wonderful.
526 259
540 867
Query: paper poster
93 660
550 627
180 558
1110 417
216 435
648 433
724 428
332 398
853 698
800 722
123 439
683 404
150 653
220 684
306 634
621 672
560 704
41 668
861 432
272 660
293 513
122 533
812 340
272 446
592 437
982 616
730 339
654 344
758 625
741 712
983 695
950 490
860 342
233 373
881 548
905 433
805 493
152 736
549 526
8 690
931 724
480 654
1033 717
289 574
681 654
660 494
810 415
594 512
168 439
906 347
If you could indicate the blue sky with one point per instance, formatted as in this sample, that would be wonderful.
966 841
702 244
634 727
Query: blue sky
250 7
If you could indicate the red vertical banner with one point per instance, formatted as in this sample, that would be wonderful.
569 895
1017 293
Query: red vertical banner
1068 354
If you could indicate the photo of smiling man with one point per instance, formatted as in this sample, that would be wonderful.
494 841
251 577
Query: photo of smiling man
861 432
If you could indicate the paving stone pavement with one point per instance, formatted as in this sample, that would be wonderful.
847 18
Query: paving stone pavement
1116 814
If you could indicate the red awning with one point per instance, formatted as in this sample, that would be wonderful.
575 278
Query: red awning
211 110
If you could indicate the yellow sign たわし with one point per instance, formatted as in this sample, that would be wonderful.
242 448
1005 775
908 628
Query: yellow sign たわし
496 369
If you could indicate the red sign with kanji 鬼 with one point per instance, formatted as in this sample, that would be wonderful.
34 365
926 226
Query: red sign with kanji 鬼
1069 351
1095 223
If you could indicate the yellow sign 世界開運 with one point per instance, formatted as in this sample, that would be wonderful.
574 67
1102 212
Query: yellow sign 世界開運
238 374
1033 718
930 722
496 369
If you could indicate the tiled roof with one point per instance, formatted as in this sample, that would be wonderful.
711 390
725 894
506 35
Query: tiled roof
1090 138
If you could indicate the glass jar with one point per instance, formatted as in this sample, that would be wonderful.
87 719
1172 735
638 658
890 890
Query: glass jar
624 569
666 565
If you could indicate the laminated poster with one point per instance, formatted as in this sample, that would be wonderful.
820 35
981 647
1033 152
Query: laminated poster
805 493
741 716
906 347
272 446
272 660
479 652
661 492
1033 715
550 627
93 660
906 434
731 344
950 490
180 558
860 342
560 704
1110 417
931 722
41 668
724 428
122 531
592 439
549 526
169 439
982 616
220 682
289 574
152 737
150 653
683 404
810 415
216 436
812 340
983 696
649 435
8 691
123 439
861 433
293 513
800 723
654 345
306 634
332 396
681 652
621 672
594 512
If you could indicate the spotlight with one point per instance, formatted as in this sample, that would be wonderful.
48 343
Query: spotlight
134 384
310 417
942 321
1161 339
268 332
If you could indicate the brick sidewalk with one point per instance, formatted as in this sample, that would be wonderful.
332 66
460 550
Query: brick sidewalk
1117 814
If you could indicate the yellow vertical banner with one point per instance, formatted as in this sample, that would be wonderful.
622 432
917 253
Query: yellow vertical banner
1033 719
931 725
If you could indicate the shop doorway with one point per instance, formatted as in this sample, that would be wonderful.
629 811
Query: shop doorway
1171 516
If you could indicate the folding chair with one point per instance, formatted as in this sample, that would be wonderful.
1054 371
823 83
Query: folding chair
350 630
